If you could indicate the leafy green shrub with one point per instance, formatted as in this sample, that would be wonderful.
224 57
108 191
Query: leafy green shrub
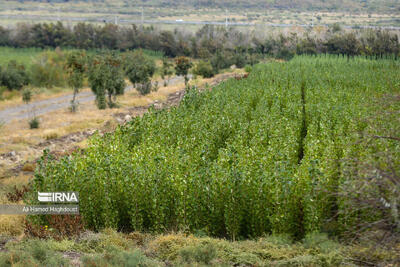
48 70
221 60
281 239
34 123
320 241
166 71
26 95
239 60
203 68
114 257
248 68
144 88
285 53
13 76
91 242
2 90
200 254
252 59
300 261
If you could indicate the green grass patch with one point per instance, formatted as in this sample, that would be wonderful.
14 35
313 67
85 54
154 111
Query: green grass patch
24 56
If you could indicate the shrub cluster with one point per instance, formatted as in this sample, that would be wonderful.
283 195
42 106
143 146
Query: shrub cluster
13 76
203 68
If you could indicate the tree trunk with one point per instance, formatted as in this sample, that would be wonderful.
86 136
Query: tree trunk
73 101
110 102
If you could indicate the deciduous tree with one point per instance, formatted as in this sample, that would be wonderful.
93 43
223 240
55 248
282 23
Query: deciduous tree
106 77
182 66
139 70
76 68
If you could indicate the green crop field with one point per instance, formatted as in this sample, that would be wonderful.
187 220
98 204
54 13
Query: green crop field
23 56
274 153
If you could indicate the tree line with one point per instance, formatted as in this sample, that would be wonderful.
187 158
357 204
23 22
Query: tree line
209 42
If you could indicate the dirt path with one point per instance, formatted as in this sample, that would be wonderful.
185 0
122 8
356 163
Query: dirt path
48 105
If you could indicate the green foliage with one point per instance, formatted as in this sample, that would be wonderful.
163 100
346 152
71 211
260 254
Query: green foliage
34 123
200 254
106 77
144 88
26 95
76 69
320 242
116 258
32 253
239 60
285 53
252 157
248 68
90 242
221 60
335 27
109 248
139 69
155 87
182 66
23 56
203 68
2 90
166 70
48 70
14 76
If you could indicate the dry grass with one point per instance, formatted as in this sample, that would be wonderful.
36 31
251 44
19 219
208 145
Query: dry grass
12 225
29 167
21 179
